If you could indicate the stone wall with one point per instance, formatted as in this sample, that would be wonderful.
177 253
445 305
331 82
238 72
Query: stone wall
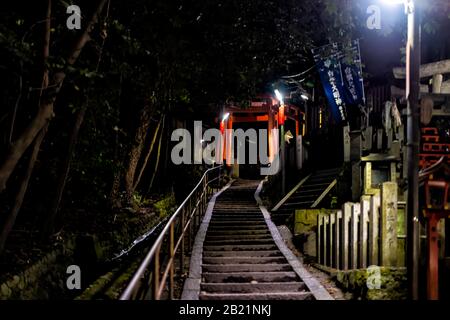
45 279
305 230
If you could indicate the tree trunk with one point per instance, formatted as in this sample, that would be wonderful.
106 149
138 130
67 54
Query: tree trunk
136 151
50 225
157 157
11 219
45 111
144 164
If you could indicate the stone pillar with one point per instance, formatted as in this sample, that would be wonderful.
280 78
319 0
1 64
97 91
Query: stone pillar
389 224
319 238
367 177
347 142
374 228
363 230
437 83
337 239
356 180
356 209
332 239
380 139
393 173
346 214
368 138
326 226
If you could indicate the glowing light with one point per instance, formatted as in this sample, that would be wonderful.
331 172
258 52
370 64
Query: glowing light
393 2
279 95
225 117
320 118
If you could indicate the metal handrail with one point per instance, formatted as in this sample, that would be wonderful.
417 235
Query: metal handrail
147 280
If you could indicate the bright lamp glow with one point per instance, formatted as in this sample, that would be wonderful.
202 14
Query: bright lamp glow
225 117
279 95
394 1
304 97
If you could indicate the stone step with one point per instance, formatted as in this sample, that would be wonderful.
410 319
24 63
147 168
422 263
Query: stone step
237 217
237 223
253 287
299 204
257 296
247 228
304 196
237 247
214 237
243 260
243 210
239 277
260 222
212 242
309 191
243 253
238 232
226 268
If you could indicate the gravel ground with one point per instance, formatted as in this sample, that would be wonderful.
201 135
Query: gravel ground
322 277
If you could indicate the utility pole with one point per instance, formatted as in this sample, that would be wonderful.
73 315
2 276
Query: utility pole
413 96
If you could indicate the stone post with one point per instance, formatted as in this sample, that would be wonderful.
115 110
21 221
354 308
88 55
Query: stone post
389 224
363 232
356 208
337 240
374 228
346 213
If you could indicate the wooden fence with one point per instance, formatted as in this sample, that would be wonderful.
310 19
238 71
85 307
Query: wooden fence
361 234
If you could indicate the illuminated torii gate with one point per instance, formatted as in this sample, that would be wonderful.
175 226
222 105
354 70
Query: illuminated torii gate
264 108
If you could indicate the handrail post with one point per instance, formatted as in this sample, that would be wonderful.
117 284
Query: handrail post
171 241
183 225
156 275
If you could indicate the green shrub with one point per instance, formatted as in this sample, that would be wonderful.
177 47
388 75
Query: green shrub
166 205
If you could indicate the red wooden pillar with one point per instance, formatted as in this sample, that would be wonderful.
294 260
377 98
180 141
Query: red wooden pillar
433 258
229 137
223 144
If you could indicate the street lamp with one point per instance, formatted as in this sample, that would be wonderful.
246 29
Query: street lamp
412 96
281 119
225 116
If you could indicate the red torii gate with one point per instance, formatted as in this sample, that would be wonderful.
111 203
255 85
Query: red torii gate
264 108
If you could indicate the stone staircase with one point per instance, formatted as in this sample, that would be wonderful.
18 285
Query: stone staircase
306 195
241 261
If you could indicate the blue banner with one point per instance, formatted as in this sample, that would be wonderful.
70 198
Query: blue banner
352 74
341 75
333 84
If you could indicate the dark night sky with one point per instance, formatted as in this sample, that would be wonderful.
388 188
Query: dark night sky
380 51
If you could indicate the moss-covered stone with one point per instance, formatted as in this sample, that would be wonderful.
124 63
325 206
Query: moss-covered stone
392 284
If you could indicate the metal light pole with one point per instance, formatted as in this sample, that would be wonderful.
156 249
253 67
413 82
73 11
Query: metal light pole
412 139
413 96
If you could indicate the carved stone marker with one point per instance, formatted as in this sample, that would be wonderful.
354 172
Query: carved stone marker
389 224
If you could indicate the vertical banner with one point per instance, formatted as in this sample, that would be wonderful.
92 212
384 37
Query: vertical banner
329 68
352 72
340 71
